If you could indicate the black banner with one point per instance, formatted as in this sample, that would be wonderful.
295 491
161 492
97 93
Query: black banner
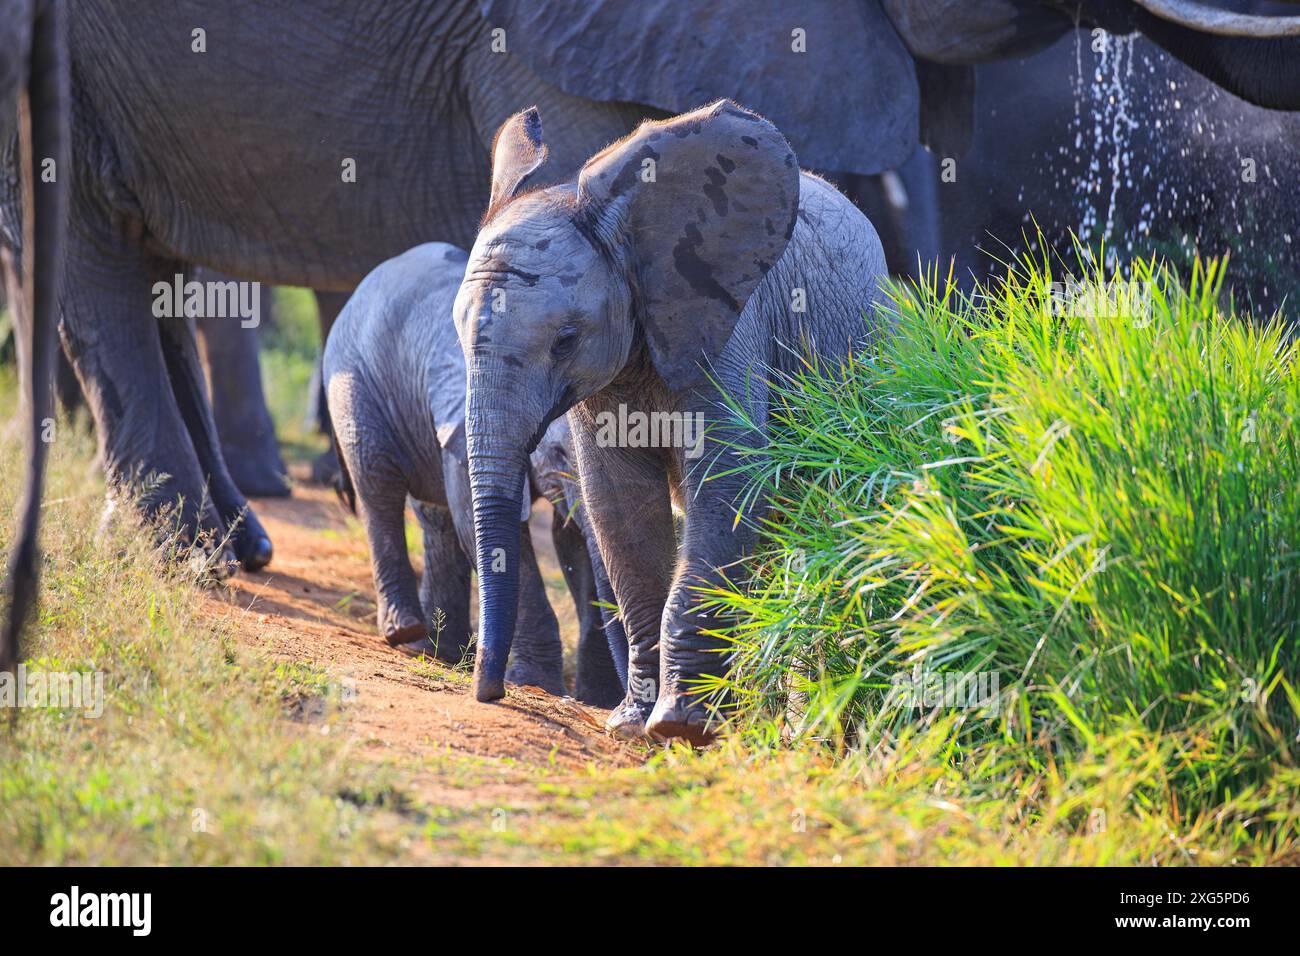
215 906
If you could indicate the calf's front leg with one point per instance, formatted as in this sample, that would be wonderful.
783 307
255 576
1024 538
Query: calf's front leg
625 492
596 679
713 545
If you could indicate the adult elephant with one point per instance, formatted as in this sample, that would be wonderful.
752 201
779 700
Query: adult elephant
1115 141
303 143
33 131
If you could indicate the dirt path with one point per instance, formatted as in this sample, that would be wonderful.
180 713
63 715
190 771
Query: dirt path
315 605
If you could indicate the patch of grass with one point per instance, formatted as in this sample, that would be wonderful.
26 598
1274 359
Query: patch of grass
196 757
1087 501
286 379
738 805
436 672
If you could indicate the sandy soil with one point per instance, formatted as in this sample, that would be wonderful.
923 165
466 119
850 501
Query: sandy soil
315 604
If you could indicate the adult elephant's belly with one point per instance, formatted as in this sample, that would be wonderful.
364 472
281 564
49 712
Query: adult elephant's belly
306 162
323 216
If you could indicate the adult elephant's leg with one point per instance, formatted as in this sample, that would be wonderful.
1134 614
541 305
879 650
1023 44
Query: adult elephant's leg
252 545
115 345
445 584
595 681
625 492
903 206
325 467
713 543
536 654
243 421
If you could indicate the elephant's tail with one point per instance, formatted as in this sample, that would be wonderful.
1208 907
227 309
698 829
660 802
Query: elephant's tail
343 486
44 213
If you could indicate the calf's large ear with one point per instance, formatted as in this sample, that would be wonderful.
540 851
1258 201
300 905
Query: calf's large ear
517 151
706 202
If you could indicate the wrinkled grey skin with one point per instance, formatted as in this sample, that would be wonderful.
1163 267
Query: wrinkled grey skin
395 381
611 290
33 66
174 170
230 353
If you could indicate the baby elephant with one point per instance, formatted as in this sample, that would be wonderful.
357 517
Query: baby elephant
395 383
653 297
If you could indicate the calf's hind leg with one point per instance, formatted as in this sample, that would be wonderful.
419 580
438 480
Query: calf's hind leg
536 655
596 679
381 503
445 585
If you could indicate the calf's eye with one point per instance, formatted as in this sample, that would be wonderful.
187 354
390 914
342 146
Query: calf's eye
566 340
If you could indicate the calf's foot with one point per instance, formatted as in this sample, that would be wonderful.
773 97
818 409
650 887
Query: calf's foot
402 628
685 716
628 719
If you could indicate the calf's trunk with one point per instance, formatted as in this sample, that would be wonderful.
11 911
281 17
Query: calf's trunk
497 457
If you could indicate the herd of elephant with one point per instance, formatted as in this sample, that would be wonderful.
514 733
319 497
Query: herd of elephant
512 279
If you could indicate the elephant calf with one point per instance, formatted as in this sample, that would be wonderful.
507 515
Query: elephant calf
395 382
682 269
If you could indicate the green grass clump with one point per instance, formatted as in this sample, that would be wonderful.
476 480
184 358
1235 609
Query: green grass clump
204 750
1089 497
